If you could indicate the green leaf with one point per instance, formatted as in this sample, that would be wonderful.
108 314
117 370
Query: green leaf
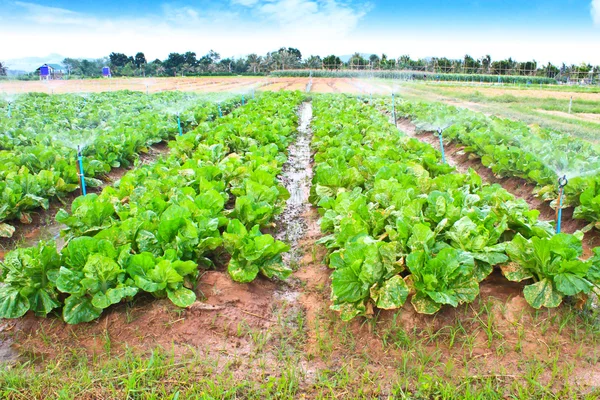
79 309
424 305
42 302
348 311
12 303
542 294
6 230
347 286
242 273
392 294
515 272
570 284
182 297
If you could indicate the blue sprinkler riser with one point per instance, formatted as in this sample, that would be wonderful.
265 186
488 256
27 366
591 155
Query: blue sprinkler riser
560 203
394 108
442 149
179 125
81 175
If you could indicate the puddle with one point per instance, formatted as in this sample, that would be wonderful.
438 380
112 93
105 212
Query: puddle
296 177
7 353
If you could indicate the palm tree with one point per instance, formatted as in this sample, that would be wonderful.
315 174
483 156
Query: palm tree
254 61
486 61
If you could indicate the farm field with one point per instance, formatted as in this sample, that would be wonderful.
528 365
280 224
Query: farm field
296 245
547 106
188 84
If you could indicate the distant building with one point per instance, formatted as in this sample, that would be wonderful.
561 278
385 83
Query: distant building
51 71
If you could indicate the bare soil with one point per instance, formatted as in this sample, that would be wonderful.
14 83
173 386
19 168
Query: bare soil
578 116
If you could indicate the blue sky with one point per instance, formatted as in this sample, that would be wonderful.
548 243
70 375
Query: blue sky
551 30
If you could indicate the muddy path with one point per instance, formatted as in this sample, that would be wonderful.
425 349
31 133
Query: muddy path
296 177
520 188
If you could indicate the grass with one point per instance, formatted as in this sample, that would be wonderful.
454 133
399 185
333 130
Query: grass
456 361
531 110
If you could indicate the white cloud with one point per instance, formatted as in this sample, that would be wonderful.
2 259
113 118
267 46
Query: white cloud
50 15
245 3
257 26
595 9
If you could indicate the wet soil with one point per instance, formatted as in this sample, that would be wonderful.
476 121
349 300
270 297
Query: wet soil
296 177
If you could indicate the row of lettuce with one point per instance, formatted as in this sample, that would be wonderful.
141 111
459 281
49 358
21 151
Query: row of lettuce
400 223
204 205
515 149
40 140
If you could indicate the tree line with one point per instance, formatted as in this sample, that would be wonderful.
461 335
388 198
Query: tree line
190 64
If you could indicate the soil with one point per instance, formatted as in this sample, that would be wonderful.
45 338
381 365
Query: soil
579 116
520 188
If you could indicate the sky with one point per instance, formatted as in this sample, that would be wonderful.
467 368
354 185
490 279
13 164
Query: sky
551 30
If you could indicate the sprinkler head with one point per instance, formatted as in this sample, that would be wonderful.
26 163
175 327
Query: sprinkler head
439 131
78 151
563 181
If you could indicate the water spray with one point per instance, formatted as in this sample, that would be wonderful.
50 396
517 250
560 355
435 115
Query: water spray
562 182
81 175
394 109
252 93
220 112
439 134
179 125
570 104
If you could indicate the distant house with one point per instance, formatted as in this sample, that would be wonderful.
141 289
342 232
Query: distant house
51 71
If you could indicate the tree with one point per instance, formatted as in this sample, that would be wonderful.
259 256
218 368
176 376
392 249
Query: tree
527 68
374 60
313 62
140 60
254 62
443 65
118 59
357 61
73 65
173 63
332 62
486 62
190 58
2 69
471 65
294 53
503 67
287 58
405 61
550 71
